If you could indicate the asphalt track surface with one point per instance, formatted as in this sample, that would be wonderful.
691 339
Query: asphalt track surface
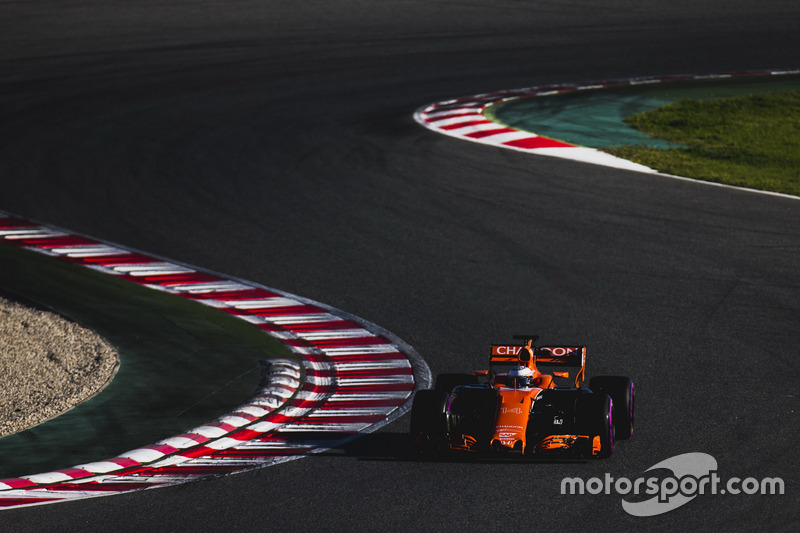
274 142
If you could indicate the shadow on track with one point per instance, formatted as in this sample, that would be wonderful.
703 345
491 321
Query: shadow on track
396 447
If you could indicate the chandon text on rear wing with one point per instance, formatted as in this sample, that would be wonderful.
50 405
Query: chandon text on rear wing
572 356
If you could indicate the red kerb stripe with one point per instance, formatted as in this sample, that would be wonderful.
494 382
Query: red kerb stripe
531 143
488 133
465 124
18 482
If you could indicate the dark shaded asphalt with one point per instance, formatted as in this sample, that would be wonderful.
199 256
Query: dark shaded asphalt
275 143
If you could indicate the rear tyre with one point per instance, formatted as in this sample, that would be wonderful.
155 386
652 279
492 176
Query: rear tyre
427 417
621 390
447 382
595 418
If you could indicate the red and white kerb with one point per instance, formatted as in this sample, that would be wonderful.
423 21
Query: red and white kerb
350 377
464 118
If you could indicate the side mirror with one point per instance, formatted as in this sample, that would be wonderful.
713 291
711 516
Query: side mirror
480 373
561 374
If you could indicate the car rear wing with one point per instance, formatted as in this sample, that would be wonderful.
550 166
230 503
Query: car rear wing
562 355
556 356
507 353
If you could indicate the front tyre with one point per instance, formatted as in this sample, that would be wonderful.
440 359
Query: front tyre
427 418
595 418
621 390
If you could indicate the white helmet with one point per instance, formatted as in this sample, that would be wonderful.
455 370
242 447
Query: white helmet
520 377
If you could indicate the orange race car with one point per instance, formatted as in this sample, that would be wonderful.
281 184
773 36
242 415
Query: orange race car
516 407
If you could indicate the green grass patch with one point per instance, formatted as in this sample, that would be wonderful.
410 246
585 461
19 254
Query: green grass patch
749 141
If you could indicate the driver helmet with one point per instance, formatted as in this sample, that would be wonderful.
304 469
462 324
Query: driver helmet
520 377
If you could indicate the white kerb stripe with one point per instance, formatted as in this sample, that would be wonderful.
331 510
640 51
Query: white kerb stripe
89 250
367 396
502 138
151 269
143 455
39 232
334 334
179 442
264 427
209 287
352 412
100 467
48 477
382 380
263 303
394 363
273 444
346 428
458 120
360 350
252 410
483 127
287 320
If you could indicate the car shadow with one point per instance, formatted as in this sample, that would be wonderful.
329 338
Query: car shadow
397 447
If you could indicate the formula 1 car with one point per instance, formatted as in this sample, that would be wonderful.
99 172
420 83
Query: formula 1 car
516 408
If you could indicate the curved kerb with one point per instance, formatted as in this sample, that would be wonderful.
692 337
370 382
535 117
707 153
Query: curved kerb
464 119
351 377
